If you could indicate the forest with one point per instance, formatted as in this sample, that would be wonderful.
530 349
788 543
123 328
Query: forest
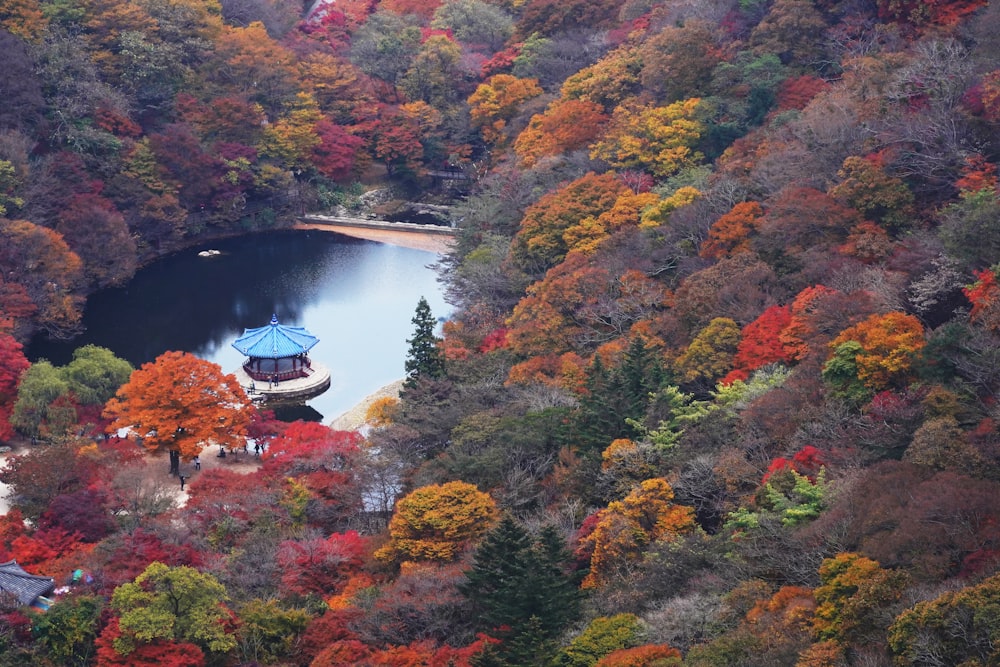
720 383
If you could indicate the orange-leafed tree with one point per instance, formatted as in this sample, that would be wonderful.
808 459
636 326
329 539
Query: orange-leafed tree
818 314
437 522
923 14
23 18
888 347
40 260
179 404
626 528
565 126
647 655
730 234
540 243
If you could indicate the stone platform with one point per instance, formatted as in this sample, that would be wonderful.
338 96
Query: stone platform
286 391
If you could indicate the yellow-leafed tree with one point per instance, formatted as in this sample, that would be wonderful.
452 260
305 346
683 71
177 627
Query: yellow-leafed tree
437 522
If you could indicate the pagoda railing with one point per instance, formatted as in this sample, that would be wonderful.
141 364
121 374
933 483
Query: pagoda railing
263 370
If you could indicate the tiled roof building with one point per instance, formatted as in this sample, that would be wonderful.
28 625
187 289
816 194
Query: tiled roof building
27 587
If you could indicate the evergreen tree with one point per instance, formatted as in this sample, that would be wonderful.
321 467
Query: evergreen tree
521 586
425 358
595 422
616 399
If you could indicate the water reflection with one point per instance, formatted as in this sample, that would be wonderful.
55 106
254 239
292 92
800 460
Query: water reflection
356 296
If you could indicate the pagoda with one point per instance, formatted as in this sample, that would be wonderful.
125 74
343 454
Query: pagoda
277 364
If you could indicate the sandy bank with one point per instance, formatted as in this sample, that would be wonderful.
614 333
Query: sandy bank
437 243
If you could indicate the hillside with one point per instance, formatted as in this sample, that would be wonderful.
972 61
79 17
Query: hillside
720 384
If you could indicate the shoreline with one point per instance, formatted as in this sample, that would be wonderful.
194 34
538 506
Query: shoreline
354 419
439 244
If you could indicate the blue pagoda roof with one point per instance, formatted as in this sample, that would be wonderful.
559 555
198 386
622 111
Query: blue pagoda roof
275 341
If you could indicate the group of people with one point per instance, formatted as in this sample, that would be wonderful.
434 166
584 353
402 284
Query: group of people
272 382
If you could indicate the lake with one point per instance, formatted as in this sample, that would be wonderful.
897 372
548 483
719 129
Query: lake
358 297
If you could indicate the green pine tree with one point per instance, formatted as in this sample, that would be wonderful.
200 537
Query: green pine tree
521 586
425 358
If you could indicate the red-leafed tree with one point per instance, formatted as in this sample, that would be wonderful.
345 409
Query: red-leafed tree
760 343
228 505
319 565
336 153
923 14
326 463
96 231
796 92
818 314
799 218
12 364
159 653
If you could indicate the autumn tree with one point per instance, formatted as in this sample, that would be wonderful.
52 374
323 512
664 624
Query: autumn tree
854 598
180 404
709 356
250 63
660 140
498 100
760 343
173 604
566 125
627 527
53 283
320 566
24 18
881 198
677 62
438 522
40 475
790 30
923 14
959 627
540 244
886 348
730 233
12 364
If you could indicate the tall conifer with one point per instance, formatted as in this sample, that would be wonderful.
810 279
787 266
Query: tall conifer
425 358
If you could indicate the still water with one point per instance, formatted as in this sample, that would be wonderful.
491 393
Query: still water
358 297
